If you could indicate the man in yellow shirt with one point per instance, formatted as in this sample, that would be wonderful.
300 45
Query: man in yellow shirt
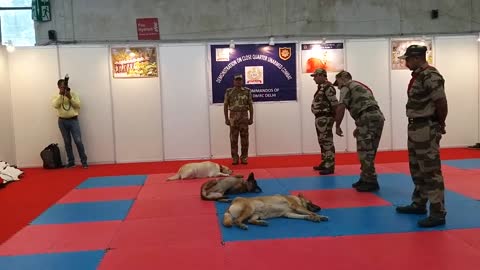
67 104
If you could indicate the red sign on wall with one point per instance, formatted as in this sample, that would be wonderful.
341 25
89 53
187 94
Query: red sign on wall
148 29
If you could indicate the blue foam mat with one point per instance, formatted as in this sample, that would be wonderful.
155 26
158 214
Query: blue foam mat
113 181
87 260
395 188
85 212
463 163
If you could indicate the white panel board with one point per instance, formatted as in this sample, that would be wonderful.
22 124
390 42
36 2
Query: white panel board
33 79
456 59
7 141
367 61
278 128
185 101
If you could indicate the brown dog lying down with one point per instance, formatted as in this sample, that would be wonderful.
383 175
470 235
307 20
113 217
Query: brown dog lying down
257 209
201 170
215 190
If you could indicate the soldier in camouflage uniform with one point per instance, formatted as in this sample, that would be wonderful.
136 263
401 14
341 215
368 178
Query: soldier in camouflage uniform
369 120
323 108
238 100
426 111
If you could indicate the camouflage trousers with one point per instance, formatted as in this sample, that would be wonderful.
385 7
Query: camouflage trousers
239 125
324 126
425 166
369 132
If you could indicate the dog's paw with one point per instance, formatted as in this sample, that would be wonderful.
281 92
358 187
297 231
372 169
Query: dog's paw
262 223
242 226
317 218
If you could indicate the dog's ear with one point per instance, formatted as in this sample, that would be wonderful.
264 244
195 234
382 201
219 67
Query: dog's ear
258 189
300 195
251 177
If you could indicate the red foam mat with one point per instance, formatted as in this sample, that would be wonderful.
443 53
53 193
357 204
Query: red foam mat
414 251
342 198
164 257
172 190
100 194
470 236
180 231
35 239
184 206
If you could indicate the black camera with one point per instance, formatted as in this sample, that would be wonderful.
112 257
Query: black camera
66 82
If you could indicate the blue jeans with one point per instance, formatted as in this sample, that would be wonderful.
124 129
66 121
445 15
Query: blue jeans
71 128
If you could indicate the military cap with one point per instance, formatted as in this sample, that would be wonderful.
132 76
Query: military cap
342 73
319 71
238 76
414 50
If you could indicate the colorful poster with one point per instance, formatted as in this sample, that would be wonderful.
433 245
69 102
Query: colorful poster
134 62
329 56
269 71
400 46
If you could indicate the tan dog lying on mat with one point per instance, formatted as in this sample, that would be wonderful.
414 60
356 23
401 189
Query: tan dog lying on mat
256 209
215 190
201 170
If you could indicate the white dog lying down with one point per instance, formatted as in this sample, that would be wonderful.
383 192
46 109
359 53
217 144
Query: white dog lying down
201 170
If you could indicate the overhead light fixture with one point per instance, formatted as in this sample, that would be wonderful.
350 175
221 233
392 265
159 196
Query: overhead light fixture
232 44
478 39
10 47
272 41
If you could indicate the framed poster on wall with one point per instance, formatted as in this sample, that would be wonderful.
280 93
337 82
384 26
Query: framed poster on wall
399 46
268 70
329 56
134 62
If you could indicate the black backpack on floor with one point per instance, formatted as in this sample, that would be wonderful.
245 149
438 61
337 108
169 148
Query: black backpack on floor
51 157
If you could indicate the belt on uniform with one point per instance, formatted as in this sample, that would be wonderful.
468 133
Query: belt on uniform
71 118
421 119
323 114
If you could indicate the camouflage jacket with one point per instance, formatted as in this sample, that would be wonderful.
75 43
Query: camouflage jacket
357 97
238 99
324 100
425 87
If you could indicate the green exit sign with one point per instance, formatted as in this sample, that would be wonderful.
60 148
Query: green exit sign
41 11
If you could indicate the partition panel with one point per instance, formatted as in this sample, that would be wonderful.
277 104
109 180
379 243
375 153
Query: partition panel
185 101
33 80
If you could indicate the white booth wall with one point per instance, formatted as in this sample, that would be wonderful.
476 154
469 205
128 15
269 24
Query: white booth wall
7 142
170 117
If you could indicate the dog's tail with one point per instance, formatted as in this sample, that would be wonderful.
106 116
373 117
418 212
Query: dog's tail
174 177
227 219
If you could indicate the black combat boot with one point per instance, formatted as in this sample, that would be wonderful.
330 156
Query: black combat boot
326 171
367 186
431 221
412 209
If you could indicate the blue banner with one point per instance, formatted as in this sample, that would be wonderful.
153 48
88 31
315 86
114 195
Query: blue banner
269 71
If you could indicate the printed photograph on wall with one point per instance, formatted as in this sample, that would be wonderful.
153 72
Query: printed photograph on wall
400 46
134 62
268 70
329 56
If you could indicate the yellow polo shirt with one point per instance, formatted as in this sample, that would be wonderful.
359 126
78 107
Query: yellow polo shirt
70 108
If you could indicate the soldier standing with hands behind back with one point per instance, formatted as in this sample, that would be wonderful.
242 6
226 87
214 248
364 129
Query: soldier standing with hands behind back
426 111
238 100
